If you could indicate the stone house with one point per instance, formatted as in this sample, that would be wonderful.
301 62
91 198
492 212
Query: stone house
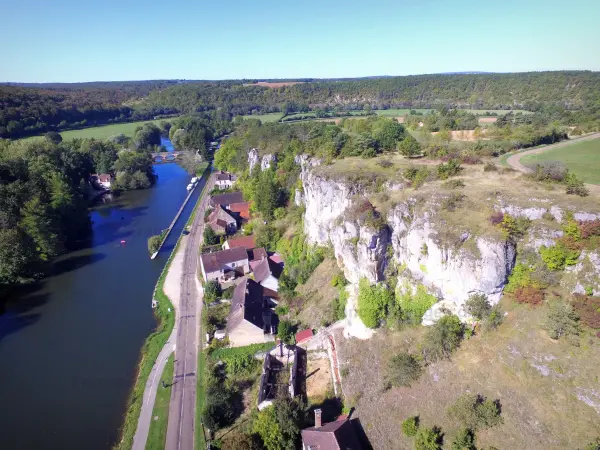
224 265
221 221
267 274
336 435
250 316
226 200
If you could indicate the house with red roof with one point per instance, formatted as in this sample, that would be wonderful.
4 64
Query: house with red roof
241 241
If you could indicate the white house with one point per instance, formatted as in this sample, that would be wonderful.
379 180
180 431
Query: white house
224 265
103 180
224 180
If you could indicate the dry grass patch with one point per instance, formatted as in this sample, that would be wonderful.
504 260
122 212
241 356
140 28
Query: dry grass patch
319 383
317 294
536 379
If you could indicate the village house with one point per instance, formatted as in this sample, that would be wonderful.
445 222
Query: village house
242 241
224 265
241 211
102 181
221 221
267 274
224 180
226 200
336 435
255 256
250 317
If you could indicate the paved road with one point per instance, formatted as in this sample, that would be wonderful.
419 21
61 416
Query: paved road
182 408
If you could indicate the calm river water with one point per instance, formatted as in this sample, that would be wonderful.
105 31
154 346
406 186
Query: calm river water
70 347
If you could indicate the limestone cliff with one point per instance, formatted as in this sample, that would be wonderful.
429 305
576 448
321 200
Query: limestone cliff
452 259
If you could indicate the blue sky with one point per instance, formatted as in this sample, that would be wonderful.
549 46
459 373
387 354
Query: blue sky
80 40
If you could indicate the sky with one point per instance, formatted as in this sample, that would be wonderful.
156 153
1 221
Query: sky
83 40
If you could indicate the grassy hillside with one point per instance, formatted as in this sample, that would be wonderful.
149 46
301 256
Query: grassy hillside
103 132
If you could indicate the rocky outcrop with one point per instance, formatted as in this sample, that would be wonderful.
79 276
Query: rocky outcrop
265 162
452 270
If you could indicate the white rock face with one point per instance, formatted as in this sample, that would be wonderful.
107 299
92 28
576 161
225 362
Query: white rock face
298 197
452 272
252 158
267 161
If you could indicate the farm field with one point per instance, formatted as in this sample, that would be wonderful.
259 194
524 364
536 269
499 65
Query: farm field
102 132
583 158
269 117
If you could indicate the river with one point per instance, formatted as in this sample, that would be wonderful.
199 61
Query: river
69 347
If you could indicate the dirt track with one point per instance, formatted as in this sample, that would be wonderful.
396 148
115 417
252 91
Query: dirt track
514 161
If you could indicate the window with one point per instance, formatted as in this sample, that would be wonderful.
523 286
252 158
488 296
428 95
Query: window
232 264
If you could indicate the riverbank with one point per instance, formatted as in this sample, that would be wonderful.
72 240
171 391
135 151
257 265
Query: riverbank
154 354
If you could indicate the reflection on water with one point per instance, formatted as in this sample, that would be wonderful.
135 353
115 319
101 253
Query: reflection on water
70 344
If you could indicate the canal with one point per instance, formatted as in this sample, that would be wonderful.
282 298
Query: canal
69 347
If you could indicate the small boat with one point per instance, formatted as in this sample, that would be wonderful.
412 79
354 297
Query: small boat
194 180
190 186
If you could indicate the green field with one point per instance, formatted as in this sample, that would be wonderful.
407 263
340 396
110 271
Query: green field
582 158
102 132
160 414
395 112
270 117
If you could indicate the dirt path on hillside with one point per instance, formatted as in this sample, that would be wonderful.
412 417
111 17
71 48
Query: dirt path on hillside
514 161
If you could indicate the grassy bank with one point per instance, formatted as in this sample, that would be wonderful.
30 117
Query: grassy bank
160 414
200 438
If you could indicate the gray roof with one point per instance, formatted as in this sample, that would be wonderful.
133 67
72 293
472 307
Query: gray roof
215 261
248 304
339 435
265 268
227 199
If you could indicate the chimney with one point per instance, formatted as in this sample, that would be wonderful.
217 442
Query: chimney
318 418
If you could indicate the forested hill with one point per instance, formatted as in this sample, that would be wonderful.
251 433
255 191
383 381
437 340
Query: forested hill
28 110
571 90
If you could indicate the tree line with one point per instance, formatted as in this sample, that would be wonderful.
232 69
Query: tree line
27 110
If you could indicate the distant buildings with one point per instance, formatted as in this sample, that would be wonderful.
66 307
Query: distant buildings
102 181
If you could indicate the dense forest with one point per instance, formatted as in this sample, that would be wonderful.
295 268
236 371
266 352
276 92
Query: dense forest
27 110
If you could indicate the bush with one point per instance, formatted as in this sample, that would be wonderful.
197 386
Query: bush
575 186
464 440
476 412
494 319
285 332
562 321
154 243
530 295
219 407
519 278
478 306
278 425
449 169
373 302
559 256
413 307
442 338
409 147
588 310
385 163
403 369
428 439
453 201
210 237
410 426
549 171
212 291
490 167
454 184
514 228
589 228
240 441
339 305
